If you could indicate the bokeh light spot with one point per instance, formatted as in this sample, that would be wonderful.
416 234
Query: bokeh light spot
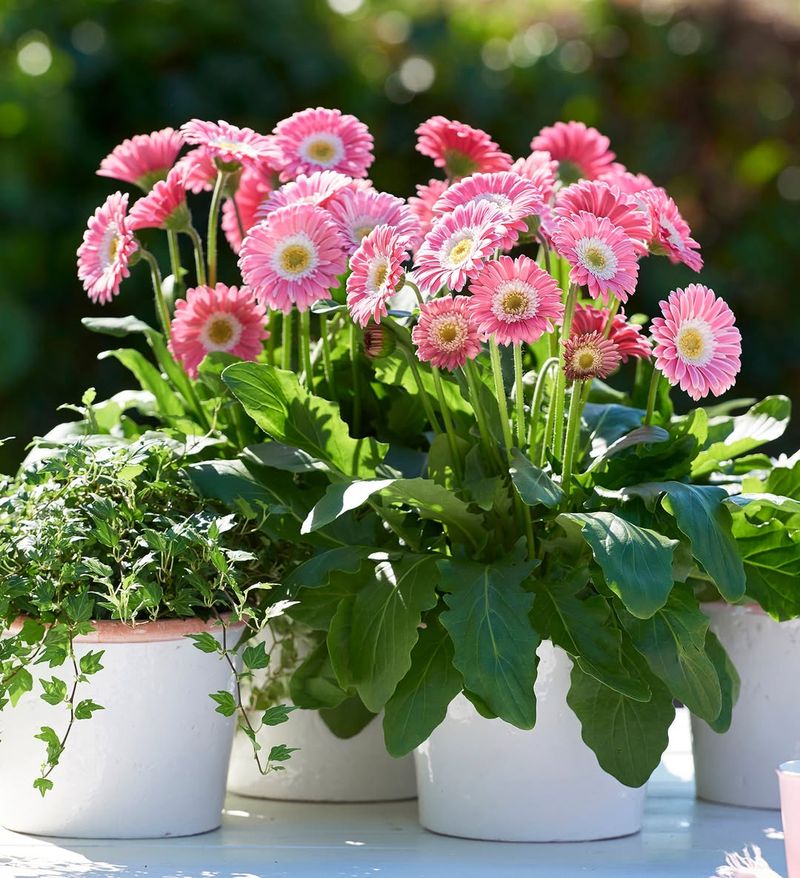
33 55
684 38
575 56
393 27
345 7
789 183
88 37
417 74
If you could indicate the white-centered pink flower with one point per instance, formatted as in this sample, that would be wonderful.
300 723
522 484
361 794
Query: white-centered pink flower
541 169
214 319
108 245
697 344
164 206
515 301
357 212
602 257
229 144
670 233
457 246
581 151
515 197
423 202
446 334
603 200
376 271
460 149
317 188
590 356
293 257
323 140
626 336
143 159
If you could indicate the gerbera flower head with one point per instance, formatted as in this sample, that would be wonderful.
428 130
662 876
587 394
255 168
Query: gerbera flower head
376 272
458 244
164 206
317 188
143 159
460 149
199 170
243 207
446 334
697 344
541 169
618 175
515 197
671 235
216 318
107 248
602 256
293 257
601 199
357 212
626 336
228 145
590 356
580 151
323 140
423 202
515 301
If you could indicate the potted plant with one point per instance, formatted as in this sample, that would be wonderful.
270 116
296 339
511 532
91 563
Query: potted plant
125 599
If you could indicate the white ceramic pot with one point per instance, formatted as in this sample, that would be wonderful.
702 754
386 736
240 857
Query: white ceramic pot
486 779
326 768
151 764
738 767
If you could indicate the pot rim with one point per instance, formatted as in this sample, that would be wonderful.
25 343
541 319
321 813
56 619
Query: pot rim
109 631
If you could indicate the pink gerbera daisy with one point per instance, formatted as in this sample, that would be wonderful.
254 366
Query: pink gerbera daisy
293 257
228 144
590 356
626 336
697 344
143 159
243 207
541 169
602 256
515 197
671 235
456 247
579 150
460 149
600 199
618 175
317 188
376 270
108 244
323 140
514 300
216 318
199 170
446 335
422 203
356 213
164 207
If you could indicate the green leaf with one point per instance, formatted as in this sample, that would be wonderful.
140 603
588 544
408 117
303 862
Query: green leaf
385 625
728 680
226 703
276 715
84 709
495 644
32 631
533 485
116 326
731 437
754 502
21 682
90 662
313 684
43 784
628 737
255 657
54 747
420 701
636 561
150 379
341 497
284 410
206 642
348 719
673 642
639 436
281 753
317 570
283 457
54 691
79 606
395 370
317 606
339 639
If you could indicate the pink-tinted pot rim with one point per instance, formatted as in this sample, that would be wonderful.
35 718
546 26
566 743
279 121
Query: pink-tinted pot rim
145 632
748 607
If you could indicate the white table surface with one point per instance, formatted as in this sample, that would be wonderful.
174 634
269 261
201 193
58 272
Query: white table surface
682 838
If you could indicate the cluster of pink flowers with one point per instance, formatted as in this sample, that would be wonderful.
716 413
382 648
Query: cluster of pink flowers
299 211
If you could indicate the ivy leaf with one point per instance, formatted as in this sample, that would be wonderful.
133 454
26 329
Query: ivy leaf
226 703
55 691
281 753
90 662
276 715
533 485
636 561
43 784
84 709
21 682
53 742
255 657
206 642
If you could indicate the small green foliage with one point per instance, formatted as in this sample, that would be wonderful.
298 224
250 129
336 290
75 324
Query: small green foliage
255 657
226 703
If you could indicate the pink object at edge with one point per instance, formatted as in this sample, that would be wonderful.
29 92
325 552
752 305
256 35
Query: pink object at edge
789 780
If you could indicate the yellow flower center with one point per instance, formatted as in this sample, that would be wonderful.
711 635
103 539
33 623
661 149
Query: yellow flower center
295 259
595 258
380 274
220 332
461 251
514 303
449 332
113 248
322 151
362 231
584 359
691 343
226 145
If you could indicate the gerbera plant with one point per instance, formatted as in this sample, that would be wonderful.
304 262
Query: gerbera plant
468 427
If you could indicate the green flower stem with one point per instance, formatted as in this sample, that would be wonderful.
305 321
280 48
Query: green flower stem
519 396
199 259
213 225
561 386
239 222
536 405
448 425
573 429
612 313
327 362
500 393
548 426
178 286
655 380
415 288
272 326
286 341
155 275
483 428
426 403
353 341
304 332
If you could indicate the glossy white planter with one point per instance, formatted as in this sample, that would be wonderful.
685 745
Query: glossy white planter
326 768
151 764
738 767
486 779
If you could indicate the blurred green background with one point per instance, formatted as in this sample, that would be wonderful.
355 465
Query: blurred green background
703 96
